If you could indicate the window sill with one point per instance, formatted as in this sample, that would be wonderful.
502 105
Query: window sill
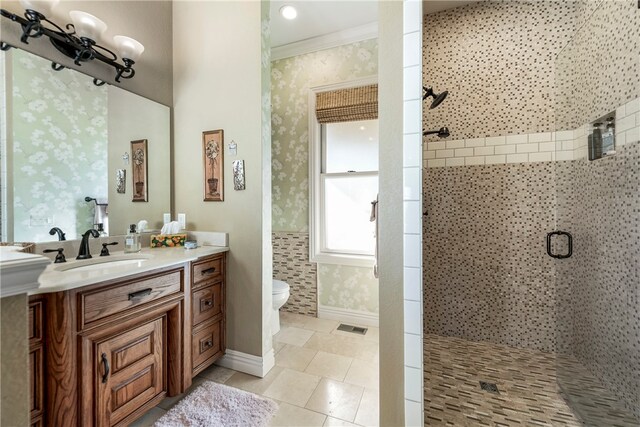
344 259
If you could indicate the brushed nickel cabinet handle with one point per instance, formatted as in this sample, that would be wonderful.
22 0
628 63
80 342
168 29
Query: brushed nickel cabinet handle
209 271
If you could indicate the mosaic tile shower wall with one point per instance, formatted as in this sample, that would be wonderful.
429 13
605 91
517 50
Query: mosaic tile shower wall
586 89
291 264
487 275
598 287
496 59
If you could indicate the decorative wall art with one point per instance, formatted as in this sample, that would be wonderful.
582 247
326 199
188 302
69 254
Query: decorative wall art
139 166
121 180
238 175
213 155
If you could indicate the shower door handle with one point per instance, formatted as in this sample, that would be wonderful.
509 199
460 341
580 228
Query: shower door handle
569 244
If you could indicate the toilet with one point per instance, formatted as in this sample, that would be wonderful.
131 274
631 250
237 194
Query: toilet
280 296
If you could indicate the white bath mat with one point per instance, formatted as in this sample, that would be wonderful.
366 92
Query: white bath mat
217 405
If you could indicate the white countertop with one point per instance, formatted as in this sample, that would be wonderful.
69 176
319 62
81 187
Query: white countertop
19 271
54 280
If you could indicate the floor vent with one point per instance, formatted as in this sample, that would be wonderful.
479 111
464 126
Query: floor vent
352 329
490 387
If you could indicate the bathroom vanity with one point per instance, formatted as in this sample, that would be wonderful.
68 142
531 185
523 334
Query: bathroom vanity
107 343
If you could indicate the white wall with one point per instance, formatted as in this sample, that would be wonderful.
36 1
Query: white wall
412 207
217 85
390 218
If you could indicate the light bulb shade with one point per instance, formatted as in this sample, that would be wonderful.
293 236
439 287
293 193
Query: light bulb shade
87 25
43 6
128 47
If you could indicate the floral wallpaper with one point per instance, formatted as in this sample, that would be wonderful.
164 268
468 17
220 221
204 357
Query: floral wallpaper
344 287
291 79
59 148
348 287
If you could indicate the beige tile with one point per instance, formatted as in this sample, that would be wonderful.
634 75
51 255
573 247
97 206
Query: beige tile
292 387
335 422
369 409
373 334
344 346
336 399
168 402
277 346
293 336
293 319
217 374
320 325
365 374
149 418
296 358
329 365
254 384
290 415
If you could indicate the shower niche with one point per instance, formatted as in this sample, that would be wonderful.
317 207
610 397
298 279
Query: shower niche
602 137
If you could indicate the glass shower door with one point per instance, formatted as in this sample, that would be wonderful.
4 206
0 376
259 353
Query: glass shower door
598 203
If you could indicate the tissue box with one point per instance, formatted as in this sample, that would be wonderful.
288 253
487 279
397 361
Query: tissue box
168 240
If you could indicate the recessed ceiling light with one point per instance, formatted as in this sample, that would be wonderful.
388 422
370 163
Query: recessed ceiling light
288 12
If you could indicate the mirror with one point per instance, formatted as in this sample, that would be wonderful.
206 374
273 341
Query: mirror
63 140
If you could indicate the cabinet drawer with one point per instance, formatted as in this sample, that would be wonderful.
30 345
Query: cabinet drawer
207 344
106 301
207 270
35 321
206 303
130 371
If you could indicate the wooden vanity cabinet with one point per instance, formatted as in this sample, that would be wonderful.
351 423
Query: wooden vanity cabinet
36 360
104 354
207 311
111 351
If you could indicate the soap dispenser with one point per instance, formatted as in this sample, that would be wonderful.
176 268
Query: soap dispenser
132 241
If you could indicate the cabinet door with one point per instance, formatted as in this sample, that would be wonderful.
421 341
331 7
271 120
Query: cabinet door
36 380
130 371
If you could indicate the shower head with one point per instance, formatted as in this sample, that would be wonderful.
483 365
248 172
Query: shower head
443 132
437 97
88 199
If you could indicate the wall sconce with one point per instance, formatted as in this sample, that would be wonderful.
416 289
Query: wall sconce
80 41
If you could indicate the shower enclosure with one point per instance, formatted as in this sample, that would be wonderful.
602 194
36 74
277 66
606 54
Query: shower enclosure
598 203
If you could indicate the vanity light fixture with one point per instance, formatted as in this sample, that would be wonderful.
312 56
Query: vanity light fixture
79 41
288 12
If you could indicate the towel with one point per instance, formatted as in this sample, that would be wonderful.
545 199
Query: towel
142 225
172 227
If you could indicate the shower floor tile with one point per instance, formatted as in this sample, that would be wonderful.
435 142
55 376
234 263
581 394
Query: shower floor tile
526 380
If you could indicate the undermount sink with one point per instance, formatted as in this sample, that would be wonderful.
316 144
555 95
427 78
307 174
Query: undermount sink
105 263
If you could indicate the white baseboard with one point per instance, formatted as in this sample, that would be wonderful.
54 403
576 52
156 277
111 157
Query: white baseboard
248 363
355 317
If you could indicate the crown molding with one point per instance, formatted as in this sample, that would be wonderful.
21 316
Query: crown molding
327 41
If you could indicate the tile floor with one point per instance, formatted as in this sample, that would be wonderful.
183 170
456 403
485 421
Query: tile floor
528 394
322 377
527 383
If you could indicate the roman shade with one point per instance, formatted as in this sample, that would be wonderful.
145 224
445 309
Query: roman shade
347 105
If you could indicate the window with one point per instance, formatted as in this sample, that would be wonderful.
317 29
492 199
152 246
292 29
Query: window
344 182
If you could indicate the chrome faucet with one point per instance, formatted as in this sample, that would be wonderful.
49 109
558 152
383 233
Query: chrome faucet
84 244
